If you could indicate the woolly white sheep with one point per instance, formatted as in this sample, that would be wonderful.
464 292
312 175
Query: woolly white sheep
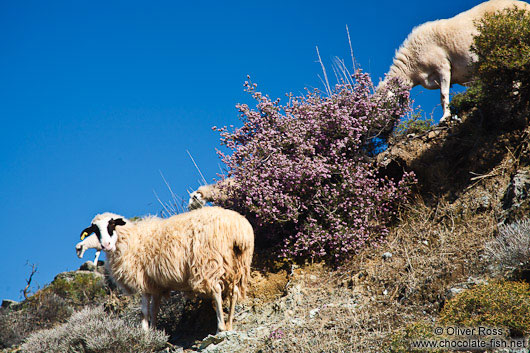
90 242
437 54
205 252
208 193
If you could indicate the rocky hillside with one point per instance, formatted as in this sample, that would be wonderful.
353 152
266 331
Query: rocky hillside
444 247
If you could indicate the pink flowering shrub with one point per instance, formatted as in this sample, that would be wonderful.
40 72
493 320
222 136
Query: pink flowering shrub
302 174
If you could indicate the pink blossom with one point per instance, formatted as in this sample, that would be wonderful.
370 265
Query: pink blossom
301 173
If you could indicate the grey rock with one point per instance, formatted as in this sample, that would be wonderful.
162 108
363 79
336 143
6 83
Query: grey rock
211 339
313 313
223 342
6 303
387 255
485 201
517 191
297 321
453 292
73 275
473 281
172 349
87 266
70 276
259 332
432 134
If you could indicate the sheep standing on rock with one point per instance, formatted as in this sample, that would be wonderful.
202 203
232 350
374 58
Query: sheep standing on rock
90 242
437 54
205 252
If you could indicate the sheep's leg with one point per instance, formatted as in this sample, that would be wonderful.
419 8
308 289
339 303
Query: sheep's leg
155 306
96 258
445 84
218 306
146 300
233 301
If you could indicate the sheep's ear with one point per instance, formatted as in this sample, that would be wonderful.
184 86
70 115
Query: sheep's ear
113 223
87 231
119 222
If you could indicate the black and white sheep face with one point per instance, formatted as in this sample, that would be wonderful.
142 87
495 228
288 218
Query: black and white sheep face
196 201
105 231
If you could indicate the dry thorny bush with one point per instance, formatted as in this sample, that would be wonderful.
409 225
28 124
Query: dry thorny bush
431 248
511 248
358 310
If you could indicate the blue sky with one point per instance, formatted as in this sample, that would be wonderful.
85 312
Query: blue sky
98 97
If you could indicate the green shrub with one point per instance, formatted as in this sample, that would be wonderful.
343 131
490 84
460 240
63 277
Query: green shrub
501 84
503 48
497 304
77 288
93 330
414 123
401 339
467 101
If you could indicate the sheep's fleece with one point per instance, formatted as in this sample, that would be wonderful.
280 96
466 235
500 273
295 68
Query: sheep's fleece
437 54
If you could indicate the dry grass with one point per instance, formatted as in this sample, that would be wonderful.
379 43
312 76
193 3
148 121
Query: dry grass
320 313
316 314
266 287
431 249
361 307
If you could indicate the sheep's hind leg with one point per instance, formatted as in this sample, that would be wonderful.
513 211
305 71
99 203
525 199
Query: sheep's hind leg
155 306
233 301
445 84
146 300
218 306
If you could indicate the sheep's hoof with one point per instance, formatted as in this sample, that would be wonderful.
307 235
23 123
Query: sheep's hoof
221 329
446 119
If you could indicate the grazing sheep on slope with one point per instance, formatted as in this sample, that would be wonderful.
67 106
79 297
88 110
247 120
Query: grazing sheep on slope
437 54
208 193
91 242
206 252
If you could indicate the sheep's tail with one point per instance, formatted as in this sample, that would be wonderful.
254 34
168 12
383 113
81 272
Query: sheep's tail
243 250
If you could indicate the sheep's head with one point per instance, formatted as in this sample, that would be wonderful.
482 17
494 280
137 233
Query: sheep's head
80 250
104 225
196 200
